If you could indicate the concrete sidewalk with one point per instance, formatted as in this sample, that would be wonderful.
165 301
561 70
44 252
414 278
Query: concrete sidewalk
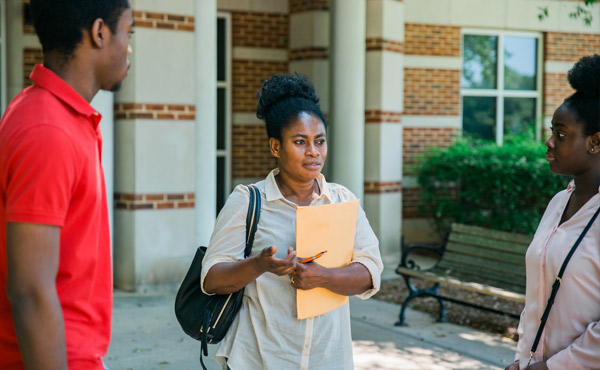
146 336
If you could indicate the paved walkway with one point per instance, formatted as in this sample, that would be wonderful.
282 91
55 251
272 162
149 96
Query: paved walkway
146 336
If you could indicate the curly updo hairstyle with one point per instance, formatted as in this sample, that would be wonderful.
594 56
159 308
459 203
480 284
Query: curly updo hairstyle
282 98
584 77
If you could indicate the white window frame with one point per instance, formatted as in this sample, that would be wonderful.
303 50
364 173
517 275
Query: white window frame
499 92
226 153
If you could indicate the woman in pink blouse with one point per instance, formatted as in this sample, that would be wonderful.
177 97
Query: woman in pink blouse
571 336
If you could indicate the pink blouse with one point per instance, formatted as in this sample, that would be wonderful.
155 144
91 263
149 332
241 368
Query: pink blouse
571 338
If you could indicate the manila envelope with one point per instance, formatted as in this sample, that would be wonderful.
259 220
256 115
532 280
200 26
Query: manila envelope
328 227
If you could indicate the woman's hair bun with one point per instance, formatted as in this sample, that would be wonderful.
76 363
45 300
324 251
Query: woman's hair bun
584 77
282 87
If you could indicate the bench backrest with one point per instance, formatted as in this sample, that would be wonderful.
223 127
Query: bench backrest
497 257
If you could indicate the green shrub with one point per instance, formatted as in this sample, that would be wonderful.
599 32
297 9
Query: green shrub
480 183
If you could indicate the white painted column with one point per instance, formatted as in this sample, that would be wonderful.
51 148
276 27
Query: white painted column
103 102
348 19
383 110
205 161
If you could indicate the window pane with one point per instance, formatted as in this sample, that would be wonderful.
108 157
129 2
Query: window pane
520 63
519 116
479 117
480 61
221 46
220 183
221 114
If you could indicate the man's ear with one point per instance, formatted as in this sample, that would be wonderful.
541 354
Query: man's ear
98 31
275 146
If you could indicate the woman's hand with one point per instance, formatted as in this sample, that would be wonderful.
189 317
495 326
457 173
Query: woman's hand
347 280
267 262
538 366
307 275
513 366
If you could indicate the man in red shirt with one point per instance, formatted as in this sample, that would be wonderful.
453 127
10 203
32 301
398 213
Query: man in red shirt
55 262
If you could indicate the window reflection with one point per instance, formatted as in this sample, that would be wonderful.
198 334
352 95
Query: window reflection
520 61
519 116
479 117
480 60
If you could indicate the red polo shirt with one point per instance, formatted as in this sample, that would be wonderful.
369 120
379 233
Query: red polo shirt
50 173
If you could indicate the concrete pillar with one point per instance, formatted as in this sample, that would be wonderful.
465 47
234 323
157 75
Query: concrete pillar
103 102
383 116
154 139
347 101
205 73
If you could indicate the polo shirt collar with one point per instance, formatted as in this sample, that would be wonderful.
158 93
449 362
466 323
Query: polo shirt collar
272 191
48 80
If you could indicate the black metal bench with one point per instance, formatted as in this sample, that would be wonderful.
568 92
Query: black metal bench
474 258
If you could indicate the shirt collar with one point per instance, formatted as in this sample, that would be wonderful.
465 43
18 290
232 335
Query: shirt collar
273 193
48 80
571 187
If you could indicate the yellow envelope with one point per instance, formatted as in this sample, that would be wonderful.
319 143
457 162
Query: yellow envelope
328 227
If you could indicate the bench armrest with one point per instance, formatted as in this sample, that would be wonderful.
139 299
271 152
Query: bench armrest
407 262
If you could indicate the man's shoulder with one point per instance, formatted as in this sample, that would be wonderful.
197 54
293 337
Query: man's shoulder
30 108
37 102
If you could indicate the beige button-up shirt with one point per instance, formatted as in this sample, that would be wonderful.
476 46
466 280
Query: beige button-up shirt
571 337
267 334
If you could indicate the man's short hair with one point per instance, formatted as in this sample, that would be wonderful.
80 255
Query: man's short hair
59 23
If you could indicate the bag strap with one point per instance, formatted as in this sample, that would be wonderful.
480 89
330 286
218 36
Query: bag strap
252 218
556 285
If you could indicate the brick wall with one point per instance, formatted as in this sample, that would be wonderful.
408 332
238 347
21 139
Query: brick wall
251 156
266 30
250 151
308 53
31 57
164 21
431 91
248 76
426 39
297 6
569 47
154 111
556 90
380 44
410 202
416 140
134 202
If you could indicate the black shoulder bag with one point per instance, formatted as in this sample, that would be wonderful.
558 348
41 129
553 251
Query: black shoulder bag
555 287
208 317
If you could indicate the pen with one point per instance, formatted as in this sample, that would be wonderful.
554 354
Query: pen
312 258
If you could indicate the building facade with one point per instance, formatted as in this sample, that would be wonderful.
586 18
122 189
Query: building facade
394 77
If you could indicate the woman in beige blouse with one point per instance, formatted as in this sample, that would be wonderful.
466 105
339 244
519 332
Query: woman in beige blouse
267 334
571 337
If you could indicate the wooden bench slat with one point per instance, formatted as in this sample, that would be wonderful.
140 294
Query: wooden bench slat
489 244
481 261
493 255
492 234
480 274
479 267
471 286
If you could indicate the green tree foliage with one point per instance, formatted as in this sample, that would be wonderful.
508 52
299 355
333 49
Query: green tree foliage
583 12
480 183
